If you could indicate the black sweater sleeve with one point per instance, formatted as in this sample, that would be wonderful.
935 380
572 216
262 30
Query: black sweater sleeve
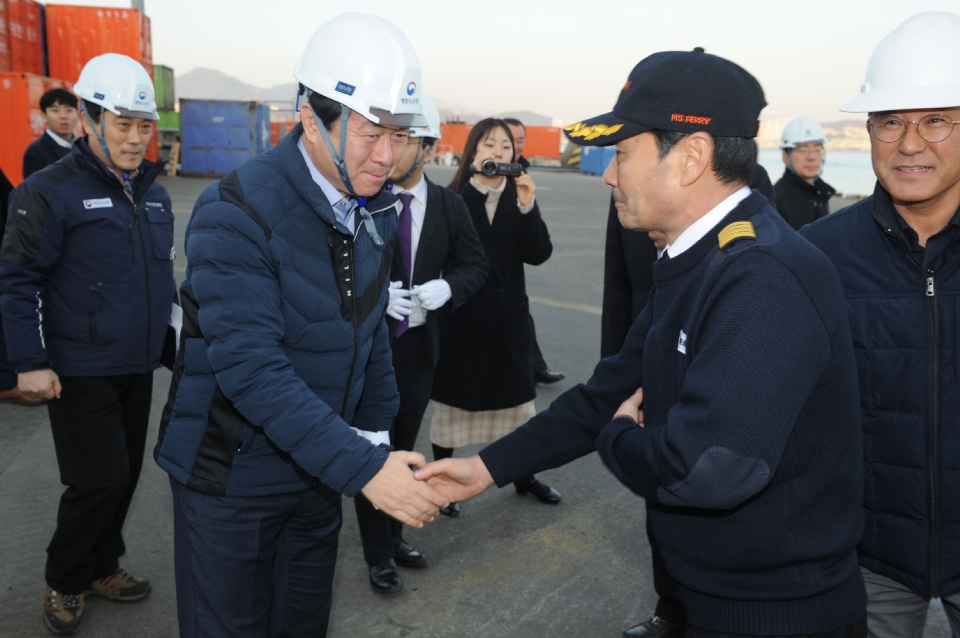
568 429
756 349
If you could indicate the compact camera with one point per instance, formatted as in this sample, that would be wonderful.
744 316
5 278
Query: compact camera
491 168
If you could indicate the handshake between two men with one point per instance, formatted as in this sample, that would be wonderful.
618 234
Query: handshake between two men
415 498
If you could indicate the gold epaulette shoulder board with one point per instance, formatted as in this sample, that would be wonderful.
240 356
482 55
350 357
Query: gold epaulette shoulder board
735 231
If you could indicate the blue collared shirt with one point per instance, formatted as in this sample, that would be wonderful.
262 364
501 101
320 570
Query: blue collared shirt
343 207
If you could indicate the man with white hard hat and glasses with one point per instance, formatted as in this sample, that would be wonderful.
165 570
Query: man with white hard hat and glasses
86 275
283 392
802 197
898 257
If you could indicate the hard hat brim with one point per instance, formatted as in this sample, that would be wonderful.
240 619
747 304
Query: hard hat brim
920 97
403 120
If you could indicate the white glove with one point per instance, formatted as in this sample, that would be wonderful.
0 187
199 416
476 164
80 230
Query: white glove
400 304
433 294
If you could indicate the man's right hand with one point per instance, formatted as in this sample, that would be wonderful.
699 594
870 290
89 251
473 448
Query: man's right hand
394 491
457 479
42 384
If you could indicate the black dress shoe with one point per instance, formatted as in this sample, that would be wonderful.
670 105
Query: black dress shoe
542 491
451 510
384 578
655 627
547 376
406 556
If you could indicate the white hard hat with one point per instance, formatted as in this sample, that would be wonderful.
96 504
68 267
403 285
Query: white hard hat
366 63
432 116
914 67
119 84
802 130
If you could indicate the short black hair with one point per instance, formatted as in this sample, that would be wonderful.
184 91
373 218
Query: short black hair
427 142
515 122
733 161
57 96
93 111
326 109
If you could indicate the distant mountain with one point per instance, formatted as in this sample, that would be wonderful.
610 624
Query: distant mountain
210 84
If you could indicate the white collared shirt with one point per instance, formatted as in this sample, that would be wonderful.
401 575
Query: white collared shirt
702 226
418 209
59 140
344 208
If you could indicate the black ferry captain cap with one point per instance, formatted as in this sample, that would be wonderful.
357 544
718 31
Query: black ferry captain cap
678 91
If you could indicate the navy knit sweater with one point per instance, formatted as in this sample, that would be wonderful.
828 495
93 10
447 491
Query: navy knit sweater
752 456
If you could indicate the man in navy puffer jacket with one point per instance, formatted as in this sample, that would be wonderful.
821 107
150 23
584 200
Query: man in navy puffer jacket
898 257
285 347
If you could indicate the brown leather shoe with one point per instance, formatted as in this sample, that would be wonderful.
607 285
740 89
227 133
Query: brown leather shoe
62 613
655 627
15 396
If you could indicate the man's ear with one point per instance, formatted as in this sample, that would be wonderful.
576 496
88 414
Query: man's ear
431 153
696 156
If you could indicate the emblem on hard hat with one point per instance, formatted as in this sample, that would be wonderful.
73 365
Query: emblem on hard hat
143 95
411 88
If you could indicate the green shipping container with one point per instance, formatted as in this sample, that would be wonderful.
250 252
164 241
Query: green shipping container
163 86
169 119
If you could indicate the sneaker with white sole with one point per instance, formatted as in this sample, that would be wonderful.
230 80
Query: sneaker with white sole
121 587
62 613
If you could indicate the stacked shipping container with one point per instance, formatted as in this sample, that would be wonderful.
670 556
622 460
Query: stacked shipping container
217 136
22 38
77 34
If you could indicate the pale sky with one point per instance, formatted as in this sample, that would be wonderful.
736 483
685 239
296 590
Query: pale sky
559 59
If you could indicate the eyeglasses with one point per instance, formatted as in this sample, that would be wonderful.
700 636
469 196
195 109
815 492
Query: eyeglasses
933 128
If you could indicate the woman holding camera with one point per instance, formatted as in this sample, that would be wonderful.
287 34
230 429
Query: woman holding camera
484 388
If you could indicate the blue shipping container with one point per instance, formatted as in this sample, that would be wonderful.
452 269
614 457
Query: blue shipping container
595 159
216 136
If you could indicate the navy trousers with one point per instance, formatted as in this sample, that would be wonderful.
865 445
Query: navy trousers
255 566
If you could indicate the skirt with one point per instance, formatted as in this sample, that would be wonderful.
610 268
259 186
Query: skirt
453 427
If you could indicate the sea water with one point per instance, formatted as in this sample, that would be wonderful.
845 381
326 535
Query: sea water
850 172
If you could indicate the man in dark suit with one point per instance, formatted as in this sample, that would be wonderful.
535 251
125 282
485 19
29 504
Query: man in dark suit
438 262
59 108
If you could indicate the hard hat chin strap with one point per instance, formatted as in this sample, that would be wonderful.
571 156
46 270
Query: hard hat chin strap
339 160
417 164
102 140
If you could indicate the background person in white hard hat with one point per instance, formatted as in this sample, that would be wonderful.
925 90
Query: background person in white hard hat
802 197
87 284
898 257
438 264
285 347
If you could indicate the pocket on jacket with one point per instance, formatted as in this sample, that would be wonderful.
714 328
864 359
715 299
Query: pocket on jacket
92 302
161 231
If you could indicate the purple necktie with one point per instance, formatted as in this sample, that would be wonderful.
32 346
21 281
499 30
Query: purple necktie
404 235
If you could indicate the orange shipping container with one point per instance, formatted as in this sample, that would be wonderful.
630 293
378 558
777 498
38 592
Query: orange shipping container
542 141
77 34
20 104
25 36
5 62
453 137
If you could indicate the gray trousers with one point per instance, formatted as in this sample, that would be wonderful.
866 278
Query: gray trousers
896 611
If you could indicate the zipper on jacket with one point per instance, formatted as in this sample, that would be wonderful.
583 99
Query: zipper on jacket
133 253
351 290
932 443
929 292
146 278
